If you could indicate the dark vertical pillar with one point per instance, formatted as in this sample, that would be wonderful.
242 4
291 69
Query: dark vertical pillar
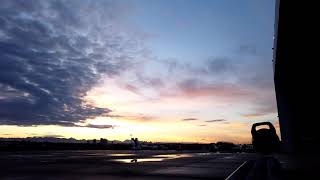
282 80
296 76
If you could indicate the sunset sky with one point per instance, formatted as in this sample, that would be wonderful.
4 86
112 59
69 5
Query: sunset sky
159 70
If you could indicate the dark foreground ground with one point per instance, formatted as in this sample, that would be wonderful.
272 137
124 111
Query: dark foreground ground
104 164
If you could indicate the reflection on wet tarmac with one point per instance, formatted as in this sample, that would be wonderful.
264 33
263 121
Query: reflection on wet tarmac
173 156
121 154
138 160
154 158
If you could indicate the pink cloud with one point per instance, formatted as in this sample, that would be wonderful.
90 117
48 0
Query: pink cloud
193 88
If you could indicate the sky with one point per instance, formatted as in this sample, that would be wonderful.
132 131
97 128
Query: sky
160 70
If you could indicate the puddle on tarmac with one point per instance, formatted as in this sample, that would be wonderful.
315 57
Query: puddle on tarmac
154 158
172 156
139 160
120 155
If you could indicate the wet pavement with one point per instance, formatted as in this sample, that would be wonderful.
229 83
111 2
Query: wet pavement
104 164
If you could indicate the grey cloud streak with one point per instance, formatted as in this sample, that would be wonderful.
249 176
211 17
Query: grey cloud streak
189 119
216 120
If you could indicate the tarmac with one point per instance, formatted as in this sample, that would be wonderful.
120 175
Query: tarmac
106 164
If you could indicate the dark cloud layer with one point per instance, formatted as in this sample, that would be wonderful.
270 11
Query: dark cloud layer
50 58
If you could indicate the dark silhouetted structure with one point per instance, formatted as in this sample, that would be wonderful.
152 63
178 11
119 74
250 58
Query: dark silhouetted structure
296 77
265 167
265 140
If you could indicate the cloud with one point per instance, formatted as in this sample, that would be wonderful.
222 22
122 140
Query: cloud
52 53
6 134
150 81
132 116
196 88
247 49
98 126
141 82
231 80
265 104
220 65
216 120
252 115
189 119
139 117
132 88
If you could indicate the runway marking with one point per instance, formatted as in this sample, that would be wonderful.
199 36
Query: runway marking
229 177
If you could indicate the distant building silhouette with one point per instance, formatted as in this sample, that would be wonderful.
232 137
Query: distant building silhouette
103 141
